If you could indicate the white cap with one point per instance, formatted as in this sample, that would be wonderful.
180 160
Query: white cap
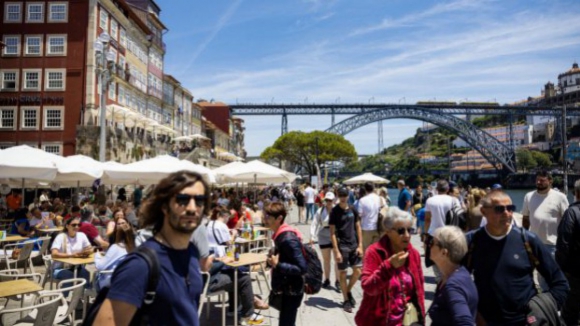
329 196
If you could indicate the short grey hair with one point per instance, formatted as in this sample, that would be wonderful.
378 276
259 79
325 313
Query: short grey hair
394 214
452 239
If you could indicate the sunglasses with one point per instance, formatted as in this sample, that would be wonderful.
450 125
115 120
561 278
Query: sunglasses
185 199
432 243
401 231
75 225
499 209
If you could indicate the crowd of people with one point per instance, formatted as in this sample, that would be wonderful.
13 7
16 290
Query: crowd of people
485 267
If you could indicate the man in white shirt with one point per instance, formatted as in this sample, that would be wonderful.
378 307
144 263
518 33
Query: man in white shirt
309 194
436 208
542 211
368 208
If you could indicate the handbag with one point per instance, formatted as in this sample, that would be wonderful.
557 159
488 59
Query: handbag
411 316
275 300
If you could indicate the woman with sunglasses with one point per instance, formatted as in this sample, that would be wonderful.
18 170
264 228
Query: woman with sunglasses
456 297
392 279
70 244
320 231
124 244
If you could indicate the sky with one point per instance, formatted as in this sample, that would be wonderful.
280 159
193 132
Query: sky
366 51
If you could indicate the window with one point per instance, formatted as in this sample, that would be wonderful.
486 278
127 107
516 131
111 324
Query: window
7 117
9 80
13 12
52 148
31 79
121 67
114 29
29 118
55 79
123 37
104 20
35 12
58 12
56 45
33 45
53 117
12 45
121 96
113 91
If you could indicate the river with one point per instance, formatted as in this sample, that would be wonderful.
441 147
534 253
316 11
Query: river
517 196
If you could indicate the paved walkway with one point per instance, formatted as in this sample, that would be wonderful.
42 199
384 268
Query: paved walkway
324 308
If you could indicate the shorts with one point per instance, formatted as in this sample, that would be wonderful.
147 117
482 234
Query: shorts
421 224
349 258
325 246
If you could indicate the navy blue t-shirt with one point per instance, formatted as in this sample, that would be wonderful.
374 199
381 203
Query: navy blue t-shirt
456 302
178 291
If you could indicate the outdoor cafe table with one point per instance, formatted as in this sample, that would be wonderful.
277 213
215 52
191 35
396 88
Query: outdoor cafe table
76 261
10 288
246 242
245 260
13 238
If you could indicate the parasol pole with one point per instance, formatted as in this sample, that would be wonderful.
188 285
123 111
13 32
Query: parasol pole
23 194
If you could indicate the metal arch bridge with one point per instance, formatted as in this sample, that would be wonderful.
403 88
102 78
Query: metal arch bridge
440 114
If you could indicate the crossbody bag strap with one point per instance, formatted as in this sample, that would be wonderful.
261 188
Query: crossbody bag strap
532 257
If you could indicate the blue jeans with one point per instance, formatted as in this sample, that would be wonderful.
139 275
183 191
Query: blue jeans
67 274
290 305
310 210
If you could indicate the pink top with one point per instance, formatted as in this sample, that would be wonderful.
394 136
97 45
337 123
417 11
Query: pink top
397 301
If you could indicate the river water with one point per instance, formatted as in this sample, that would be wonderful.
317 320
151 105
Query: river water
517 196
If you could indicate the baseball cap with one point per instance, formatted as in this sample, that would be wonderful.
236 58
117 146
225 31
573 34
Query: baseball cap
496 186
342 192
329 196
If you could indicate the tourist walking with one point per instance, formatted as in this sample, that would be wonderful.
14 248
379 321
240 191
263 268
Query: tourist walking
174 210
368 209
503 268
405 199
299 194
320 231
455 301
309 197
542 212
392 279
287 262
346 235
567 253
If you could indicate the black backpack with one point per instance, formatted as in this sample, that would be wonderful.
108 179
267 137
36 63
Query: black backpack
313 276
456 216
140 317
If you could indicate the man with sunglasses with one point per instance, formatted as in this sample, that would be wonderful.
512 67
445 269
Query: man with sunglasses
542 212
346 236
174 211
503 269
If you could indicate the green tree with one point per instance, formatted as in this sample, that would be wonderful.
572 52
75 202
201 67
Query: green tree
300 149
542 159
525 159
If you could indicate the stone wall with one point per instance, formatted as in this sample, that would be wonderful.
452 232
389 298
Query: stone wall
122 146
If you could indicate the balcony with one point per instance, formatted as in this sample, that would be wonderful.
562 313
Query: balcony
155 92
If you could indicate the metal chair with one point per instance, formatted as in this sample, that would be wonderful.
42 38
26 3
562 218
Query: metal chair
44 310
14 274
72 291
205 298
93 291
43 244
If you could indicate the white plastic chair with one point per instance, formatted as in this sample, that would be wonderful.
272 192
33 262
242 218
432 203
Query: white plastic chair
262 271
74 289
94 290
45 306
24 254
205 298
43 242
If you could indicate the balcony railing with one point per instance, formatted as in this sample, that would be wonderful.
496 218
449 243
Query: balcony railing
155 92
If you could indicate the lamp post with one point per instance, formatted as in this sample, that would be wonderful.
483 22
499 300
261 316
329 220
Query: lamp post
105 62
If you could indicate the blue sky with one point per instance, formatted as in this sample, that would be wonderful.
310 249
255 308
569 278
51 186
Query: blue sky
379 51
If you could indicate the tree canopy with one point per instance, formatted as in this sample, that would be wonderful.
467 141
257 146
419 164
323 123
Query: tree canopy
299 148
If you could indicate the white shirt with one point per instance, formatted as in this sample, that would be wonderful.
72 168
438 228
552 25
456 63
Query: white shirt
309 195
109 261
73 244
438 205
222 233
368 209
545 212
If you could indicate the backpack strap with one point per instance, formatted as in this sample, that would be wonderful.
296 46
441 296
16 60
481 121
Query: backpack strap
150 256
533 259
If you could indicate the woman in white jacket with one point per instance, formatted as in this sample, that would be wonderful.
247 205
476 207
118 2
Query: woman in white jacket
320 231
124 244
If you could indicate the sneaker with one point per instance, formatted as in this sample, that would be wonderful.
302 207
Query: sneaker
326 284
337 286
254 319
351 299
346 306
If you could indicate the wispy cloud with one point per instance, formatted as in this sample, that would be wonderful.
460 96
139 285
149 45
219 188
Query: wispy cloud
439 9
218 27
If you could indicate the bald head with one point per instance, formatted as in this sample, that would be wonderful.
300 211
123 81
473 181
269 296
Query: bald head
488 200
